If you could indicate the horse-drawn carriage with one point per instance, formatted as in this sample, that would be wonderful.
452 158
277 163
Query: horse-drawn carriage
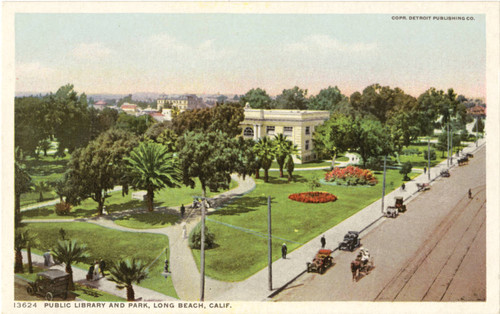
49 284
399 207
321 261
423 187
351 241
469 155
362 265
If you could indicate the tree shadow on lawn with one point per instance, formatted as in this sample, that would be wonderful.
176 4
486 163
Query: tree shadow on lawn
297 178
152 218
243 205
132 204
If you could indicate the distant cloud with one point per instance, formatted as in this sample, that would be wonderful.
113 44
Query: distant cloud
168 45
86 51
34 76
326 44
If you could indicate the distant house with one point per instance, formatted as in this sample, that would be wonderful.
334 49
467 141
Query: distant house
158 116
100 105
183 102
129 108
297 125
477 111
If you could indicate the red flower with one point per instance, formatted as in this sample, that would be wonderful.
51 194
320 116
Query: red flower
313 197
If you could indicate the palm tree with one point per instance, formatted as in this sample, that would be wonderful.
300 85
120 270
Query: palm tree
19 244
265 150
41 187
127 272
31 240
69 252
281 146
290 150
151 167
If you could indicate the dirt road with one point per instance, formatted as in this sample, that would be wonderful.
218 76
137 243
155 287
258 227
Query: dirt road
436 251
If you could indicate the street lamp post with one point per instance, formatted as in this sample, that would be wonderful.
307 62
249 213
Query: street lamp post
429 159
383 184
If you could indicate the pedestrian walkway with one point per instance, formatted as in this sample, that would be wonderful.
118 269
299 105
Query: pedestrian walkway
184 271
256 288
103 284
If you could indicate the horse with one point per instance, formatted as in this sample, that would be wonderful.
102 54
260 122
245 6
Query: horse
355 269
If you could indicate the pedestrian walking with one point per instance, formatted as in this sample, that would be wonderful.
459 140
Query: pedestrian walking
90 273
425 170
46 258
403 187
183 210
323 242
102 266
470 193
96 270
166 266
284 249
184 230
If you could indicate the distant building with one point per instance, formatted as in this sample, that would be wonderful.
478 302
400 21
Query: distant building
297 125
100 105
183 102
158 116
478 111
129 108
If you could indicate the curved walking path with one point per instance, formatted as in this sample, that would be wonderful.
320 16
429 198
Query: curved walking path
184 271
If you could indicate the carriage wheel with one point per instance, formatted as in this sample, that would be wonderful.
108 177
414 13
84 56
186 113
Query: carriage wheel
321 270
49 296
308 267
30 290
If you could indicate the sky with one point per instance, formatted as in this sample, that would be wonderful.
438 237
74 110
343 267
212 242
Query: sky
233 53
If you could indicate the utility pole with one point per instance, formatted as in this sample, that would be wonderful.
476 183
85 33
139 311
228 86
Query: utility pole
448 143
383 184
429 159
202 249
270 242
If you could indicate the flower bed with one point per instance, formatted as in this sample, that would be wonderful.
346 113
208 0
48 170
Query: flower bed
351 176
313 197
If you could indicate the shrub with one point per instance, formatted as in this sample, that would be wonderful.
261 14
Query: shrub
62 208
351 176
313 197
195 238
433 154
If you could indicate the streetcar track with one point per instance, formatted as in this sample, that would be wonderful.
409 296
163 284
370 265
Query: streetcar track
408 270
457 245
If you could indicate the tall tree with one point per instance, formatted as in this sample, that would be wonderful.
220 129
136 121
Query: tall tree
257 98
327 99
227 118
69 252
127 272
20 241
152 167
372 139
334 136
98 167
265 150
22 183
294 98
31 239
133 124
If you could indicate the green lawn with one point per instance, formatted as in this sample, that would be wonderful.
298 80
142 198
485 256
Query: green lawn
418 161
321 163
44 169
239 254
111 245
117 203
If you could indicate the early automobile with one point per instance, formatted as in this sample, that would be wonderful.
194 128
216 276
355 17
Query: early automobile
445 173
463 161
399 207
49 284
321 261
351 241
